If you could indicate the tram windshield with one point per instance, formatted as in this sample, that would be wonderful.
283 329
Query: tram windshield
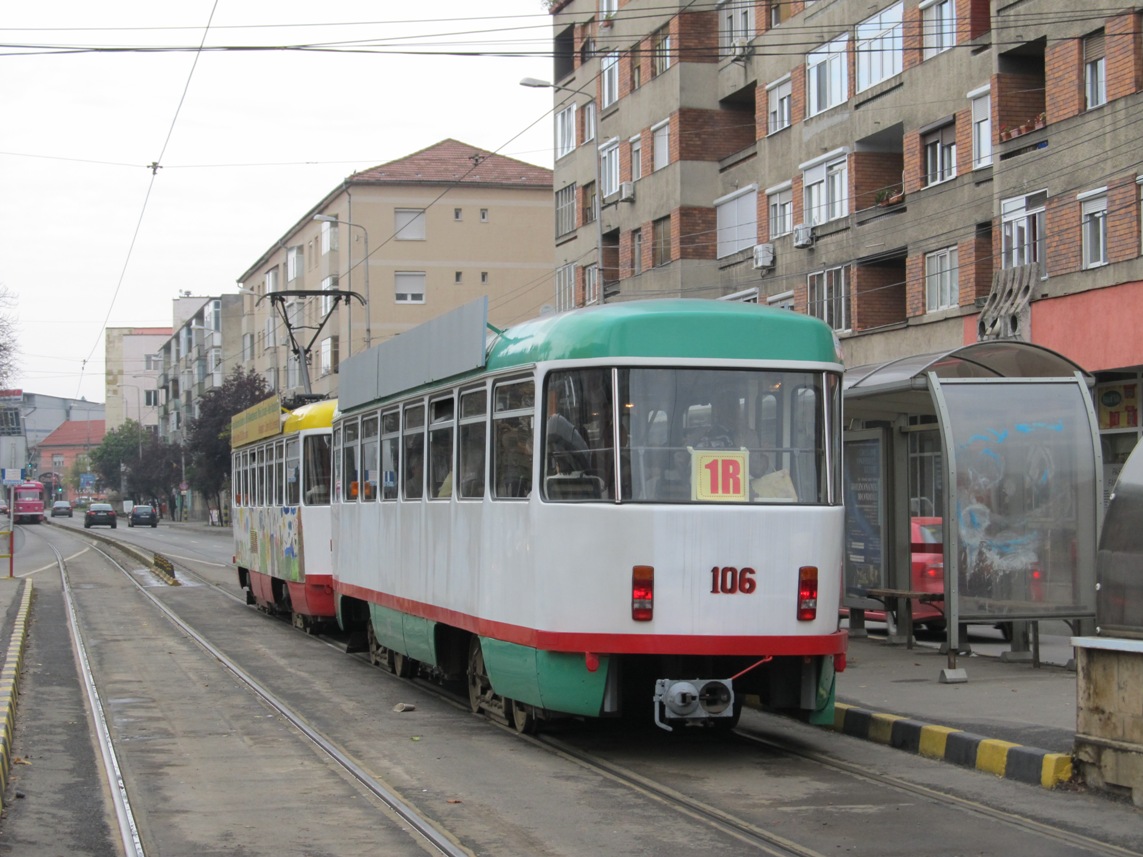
316 460
691 436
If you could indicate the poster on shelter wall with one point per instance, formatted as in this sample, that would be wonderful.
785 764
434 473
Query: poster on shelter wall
864 514
1118 405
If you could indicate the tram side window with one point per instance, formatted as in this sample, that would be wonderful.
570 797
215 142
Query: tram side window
472 434
338 485
579 436
293 475
317 461
277 465
440 448
349 472
369 457
258 476
414 438
390 454
512 416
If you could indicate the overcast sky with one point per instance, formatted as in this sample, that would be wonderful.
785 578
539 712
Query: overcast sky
246 140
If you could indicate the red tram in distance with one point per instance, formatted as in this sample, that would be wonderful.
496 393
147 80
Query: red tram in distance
28 503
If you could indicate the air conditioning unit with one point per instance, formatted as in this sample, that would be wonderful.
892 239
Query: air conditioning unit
627 191
763 255
803 235
740 49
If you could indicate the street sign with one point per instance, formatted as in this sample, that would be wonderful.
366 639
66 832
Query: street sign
183 486
11 476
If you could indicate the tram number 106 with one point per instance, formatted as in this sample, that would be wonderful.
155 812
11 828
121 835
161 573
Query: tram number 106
729 580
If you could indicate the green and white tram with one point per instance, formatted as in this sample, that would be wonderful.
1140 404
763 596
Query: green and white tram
636 505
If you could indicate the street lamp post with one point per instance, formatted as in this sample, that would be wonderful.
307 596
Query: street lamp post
536 83
332 218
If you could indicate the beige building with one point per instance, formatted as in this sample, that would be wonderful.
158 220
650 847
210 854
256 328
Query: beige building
133 361
412 238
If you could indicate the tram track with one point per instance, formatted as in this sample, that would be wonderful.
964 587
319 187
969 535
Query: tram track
725 822
438 841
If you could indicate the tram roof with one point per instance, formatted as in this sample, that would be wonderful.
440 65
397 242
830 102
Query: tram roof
682 328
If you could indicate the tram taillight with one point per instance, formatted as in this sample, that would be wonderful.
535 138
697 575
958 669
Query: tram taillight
807 593
642 592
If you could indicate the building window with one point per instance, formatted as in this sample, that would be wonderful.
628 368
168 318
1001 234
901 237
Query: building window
735 25
636 158
661 242
589 203
329 284
779 97
880 48
609 79
589 121
247 347
484 215
1093 207
152 362
609 168
458 277
661 144
328 237
565 131
981 130
938 26
270 335
827 80
151 398
1022 223
940 154
607 8
660 51
785 300
591 285
1094 71
828 298
780 11
409 287
737 221
826 190
272 280
565 287
637 251
484 278
294 263
329 355
941 291
780 202
458 214
409 224
565 210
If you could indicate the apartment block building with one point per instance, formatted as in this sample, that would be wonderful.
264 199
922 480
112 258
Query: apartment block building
201 350
920 174
132 362
411 238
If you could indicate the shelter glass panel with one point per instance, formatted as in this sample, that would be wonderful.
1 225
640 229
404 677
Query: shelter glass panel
1025 498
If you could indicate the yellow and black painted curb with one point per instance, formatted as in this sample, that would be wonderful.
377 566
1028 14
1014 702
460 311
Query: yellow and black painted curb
1002 758
9 680
165 569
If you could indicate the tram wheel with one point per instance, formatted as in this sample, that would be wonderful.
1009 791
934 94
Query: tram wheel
523 718
402 665
478 687
375 656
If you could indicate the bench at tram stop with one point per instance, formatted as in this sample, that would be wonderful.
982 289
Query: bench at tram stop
899 603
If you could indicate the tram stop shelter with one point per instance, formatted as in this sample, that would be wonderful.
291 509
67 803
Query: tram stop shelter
994 448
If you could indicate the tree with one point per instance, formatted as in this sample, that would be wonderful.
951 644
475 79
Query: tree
7 336
159 471
119 451
208 435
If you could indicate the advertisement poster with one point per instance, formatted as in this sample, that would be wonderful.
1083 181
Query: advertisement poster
864 514
1118 405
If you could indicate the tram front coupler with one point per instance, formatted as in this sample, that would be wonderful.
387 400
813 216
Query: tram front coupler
692 701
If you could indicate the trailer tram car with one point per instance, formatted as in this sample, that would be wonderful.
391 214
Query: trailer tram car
28 503
628 508
280 478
